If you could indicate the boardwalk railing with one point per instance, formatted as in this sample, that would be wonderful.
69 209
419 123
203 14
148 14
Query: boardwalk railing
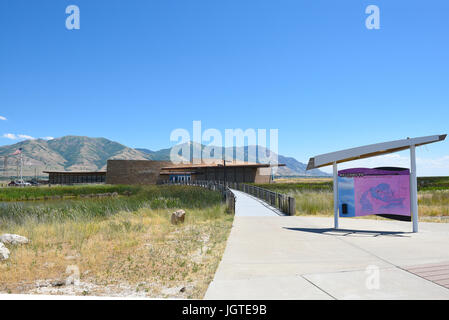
284 203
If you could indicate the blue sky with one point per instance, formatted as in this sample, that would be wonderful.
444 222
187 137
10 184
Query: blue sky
137 69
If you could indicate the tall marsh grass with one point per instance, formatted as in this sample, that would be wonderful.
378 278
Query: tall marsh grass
433 203
313 202
32 193
152 197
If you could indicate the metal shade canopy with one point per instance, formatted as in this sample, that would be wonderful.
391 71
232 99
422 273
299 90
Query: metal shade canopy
373 150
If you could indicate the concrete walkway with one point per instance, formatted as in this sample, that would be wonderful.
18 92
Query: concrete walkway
280 257
249 206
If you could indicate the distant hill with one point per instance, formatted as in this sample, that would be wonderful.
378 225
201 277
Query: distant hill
292 166
69 153
77 153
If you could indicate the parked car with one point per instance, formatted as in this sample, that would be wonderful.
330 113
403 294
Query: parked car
19 183
33 182
12 184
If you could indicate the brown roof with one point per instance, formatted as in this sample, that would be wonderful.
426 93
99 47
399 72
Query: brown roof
76 172
179 172
220 164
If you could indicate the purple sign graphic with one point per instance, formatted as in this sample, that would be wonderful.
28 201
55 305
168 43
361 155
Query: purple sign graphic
382 195
383 191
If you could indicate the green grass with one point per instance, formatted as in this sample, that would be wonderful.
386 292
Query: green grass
424 184
302 186
32 193
433 183
152 197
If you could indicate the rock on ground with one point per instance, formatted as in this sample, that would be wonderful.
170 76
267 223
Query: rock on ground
13 239
178 216
4 252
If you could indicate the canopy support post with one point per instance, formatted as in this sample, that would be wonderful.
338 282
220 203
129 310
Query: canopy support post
413 188
335 195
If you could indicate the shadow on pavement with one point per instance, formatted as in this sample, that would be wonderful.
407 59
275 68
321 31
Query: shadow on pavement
351 232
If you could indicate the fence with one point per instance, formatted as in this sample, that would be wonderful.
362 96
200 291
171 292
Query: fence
284 203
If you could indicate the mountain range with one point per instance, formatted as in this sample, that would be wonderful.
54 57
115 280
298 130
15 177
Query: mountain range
78 153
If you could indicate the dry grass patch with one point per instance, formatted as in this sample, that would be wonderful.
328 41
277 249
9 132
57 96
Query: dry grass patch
434 203
140 252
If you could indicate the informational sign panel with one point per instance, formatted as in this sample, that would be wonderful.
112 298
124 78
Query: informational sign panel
382 191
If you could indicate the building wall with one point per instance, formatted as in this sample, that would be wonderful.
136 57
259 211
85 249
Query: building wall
234 174
74 178
148 172
263 175
134 171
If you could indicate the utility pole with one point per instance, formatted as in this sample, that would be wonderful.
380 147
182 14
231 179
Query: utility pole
21 168
5 166
224 171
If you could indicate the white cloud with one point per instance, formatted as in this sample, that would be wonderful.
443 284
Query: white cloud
2 118
26 137
10 136
424 166
13 136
